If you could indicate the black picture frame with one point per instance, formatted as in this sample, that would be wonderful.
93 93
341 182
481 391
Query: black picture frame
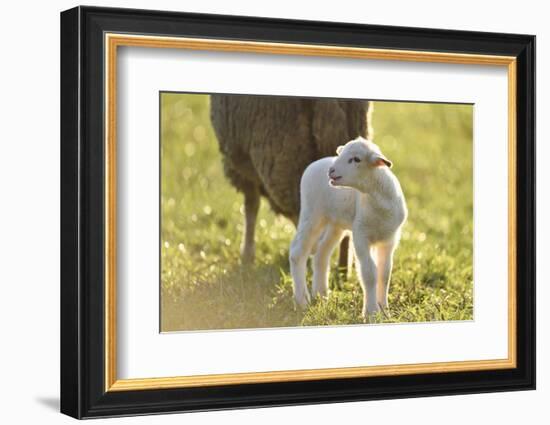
83 392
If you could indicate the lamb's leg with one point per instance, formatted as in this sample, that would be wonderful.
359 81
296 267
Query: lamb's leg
307 234
384 263
367 274
321 260
251 206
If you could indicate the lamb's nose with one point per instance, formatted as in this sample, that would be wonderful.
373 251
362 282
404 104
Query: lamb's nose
331 170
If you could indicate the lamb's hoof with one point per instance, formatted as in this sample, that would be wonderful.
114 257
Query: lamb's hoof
302 301
370 319
320 295
370 316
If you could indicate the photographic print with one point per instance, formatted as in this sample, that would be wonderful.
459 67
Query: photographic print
292 211
301 194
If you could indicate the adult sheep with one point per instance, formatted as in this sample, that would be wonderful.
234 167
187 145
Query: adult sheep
268 141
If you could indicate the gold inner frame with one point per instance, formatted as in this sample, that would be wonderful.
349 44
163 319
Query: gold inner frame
113 41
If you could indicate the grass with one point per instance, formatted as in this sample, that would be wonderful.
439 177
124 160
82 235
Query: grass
203 284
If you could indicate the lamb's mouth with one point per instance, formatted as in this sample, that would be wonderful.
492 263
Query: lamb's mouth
333 180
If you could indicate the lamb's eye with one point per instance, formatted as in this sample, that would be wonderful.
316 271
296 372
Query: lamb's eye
356 159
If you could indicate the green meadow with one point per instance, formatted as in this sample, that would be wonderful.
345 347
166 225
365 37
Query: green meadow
205 286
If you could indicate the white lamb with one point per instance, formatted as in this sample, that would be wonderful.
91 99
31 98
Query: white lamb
353 191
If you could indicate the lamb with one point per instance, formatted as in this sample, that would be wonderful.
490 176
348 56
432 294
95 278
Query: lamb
356 191
267 142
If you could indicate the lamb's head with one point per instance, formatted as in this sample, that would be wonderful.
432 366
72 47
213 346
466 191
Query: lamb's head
355 164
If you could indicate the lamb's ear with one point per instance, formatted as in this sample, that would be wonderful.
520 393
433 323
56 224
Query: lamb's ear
339 149
380 160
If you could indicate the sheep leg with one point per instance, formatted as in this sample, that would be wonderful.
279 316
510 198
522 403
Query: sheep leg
367 274
307 234
251 206
343 258
384 263
321 260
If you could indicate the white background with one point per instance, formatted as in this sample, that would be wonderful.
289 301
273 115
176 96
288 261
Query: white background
140 345
29 229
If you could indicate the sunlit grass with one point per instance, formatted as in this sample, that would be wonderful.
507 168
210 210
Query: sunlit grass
204 286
